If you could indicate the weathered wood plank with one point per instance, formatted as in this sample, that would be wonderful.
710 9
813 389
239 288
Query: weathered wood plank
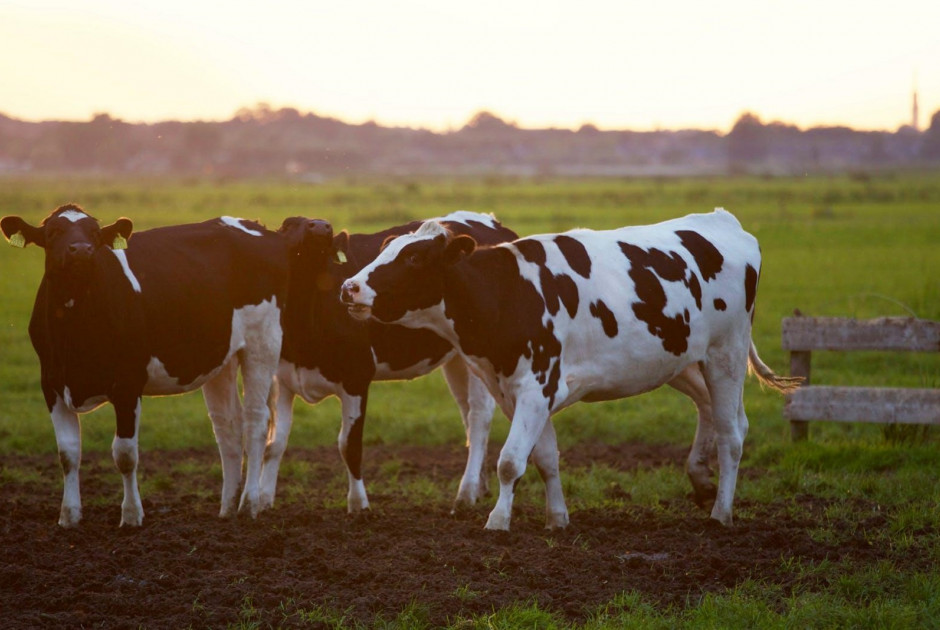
864 404
840 333
800 365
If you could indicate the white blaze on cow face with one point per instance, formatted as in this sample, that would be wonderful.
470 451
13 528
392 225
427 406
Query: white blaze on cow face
237 224
73 215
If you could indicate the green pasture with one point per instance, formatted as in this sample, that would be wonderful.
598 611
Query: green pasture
838 246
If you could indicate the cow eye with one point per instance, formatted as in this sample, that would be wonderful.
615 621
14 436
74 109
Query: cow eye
413 259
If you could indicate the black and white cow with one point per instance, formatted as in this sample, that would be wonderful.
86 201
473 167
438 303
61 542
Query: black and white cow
182 307
550 320
328 353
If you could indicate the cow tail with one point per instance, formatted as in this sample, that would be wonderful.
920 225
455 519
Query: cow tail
768 377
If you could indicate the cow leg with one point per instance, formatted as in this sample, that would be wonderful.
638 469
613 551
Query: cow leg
124 452
528 422
225 411
258 366
476 410
350 447
691 382
725 372
277 444
545 456
68 437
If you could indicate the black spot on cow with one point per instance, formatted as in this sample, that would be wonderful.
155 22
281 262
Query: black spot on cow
674 331
557 290
750 287
669 266
706 255
720 304
533 251
608 321
695 288
575 254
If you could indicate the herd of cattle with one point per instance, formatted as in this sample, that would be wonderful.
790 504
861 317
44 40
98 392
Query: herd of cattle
532 325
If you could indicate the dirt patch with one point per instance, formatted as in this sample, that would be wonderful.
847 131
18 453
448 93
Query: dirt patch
186 567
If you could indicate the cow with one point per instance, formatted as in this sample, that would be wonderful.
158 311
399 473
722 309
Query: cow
181 307
550 320
328 353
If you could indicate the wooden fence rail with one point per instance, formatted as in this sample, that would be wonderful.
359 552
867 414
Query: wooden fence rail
802 335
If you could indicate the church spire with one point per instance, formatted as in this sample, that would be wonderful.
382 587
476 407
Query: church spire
915 111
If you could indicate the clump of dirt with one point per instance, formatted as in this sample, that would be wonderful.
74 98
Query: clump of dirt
186 567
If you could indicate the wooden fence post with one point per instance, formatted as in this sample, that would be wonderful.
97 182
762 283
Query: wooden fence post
800 366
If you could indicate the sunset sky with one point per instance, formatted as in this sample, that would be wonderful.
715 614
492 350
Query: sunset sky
434 63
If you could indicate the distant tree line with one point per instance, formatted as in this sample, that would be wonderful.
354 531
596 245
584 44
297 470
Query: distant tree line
261 141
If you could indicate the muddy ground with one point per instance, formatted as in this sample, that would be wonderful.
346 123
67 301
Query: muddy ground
186 567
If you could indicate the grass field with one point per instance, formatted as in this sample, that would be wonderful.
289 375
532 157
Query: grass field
840 246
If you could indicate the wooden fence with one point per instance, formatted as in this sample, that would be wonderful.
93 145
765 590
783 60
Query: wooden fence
803 335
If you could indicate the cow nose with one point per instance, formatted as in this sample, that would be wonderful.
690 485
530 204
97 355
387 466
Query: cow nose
80 250
319 227
350 288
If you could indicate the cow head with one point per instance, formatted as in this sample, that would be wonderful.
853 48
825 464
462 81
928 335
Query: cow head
311 247
406 276
71 238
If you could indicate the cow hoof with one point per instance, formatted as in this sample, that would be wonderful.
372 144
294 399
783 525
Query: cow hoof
556 520
704 496
497 523
227 511
725 521
251 509
354 505
466 498
132 519
70 517
266 502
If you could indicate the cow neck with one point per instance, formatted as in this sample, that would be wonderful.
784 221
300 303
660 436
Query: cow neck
473 296
307 302
86 324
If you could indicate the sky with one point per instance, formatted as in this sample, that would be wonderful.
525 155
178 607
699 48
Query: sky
435 63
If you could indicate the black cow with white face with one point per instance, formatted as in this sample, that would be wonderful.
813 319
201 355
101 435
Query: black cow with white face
328 353
180 308
550 320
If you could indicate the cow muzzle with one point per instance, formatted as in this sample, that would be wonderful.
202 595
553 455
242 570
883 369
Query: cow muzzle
353 297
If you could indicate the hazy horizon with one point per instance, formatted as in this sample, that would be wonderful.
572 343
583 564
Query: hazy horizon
432 65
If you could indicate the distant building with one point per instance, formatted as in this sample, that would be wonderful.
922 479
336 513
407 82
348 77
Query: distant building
915 111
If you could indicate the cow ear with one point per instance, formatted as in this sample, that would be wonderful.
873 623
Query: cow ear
458 247
341 247
117 233
20 233
388 239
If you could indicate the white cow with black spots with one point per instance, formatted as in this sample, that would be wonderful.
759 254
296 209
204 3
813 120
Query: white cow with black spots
550 320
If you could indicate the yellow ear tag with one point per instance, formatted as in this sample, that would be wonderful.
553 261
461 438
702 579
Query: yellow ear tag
340 256
119 242
18 240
